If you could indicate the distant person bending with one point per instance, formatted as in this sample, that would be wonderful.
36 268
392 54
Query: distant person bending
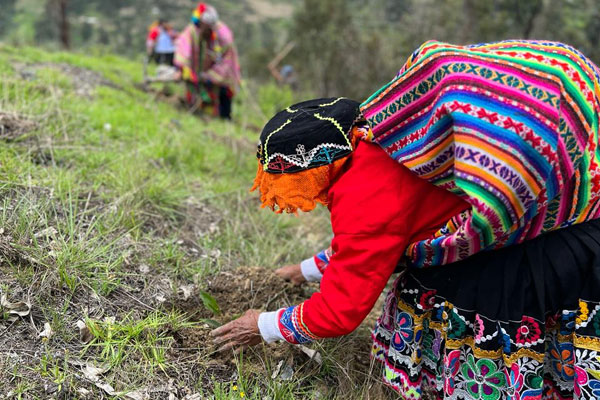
208 60
222 74
160 42
190 53
285 75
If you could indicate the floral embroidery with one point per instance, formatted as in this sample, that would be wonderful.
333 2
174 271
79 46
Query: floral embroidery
567 323
581 378
529 331
404 333
584 312
451 368
442 312
387 318
562 360
417 353
434 353
595 386
552 321
504 340
432 342
482 378
427 300
515 382
437 343
478 327
457 325
535 383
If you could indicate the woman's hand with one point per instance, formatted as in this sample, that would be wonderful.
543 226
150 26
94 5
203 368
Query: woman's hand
291 273
238 334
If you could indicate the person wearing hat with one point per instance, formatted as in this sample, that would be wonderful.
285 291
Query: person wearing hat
208 60
475 173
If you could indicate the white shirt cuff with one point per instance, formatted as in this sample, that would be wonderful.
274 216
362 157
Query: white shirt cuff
310 271
268 325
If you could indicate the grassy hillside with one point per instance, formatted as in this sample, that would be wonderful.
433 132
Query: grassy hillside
127 232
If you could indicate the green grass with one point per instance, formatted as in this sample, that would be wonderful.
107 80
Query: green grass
115 199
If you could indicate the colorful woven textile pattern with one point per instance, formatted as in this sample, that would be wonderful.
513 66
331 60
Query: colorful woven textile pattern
434 350
511 127
292 326
224 67
322 259
188 50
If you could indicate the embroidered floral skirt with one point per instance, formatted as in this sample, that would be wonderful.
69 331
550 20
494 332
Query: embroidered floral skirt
518 323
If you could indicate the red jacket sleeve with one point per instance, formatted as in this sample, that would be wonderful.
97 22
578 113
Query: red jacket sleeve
377 208
358 272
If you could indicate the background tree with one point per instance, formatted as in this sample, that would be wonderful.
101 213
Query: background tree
63 24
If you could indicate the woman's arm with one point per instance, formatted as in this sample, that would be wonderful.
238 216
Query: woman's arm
309 270
377 208
357 274
314 267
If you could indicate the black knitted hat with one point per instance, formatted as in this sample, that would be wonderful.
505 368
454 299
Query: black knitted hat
308 135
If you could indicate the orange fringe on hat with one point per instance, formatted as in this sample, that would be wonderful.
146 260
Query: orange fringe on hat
298 190
304 189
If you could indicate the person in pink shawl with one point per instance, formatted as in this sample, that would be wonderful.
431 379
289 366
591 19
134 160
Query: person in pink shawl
208 60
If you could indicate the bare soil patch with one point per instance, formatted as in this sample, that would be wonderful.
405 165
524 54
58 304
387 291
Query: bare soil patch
242 289
84 80
12 126
235 292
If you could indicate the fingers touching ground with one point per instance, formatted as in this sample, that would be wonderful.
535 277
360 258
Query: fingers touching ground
238 334
222 330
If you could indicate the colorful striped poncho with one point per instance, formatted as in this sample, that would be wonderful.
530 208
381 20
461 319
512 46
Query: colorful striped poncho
217 55
511 127
188 51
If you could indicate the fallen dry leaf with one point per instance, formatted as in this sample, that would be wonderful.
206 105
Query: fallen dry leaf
19 308
283 371
47 332
277 369
107 388
84 332
93 373
84 392
48 232
186 290
138 395
287 373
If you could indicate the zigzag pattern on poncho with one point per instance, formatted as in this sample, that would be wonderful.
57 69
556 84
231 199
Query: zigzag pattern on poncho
511 127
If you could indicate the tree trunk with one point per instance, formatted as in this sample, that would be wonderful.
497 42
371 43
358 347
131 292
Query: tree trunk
63 24
536 9
469 22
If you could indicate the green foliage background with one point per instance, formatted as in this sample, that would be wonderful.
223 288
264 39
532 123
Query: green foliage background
343 47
